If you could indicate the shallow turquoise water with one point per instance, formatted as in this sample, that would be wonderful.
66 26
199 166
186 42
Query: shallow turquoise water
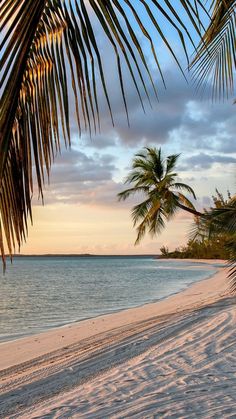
43 292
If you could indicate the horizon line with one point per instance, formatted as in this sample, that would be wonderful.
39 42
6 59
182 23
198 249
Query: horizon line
81 255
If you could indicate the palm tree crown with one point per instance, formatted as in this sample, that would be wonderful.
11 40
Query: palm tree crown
155 178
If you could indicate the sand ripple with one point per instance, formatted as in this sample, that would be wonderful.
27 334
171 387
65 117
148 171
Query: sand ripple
183 366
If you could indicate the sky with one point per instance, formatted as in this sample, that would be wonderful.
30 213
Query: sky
81 213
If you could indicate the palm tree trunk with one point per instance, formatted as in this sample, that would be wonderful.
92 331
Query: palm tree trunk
192 211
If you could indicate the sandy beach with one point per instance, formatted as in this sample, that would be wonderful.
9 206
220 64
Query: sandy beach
170 359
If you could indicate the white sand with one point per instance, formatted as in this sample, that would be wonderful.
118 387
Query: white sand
175 358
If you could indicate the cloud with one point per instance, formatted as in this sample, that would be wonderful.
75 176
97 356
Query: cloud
205 161
206 126
180 120
77 177
155 125
77 167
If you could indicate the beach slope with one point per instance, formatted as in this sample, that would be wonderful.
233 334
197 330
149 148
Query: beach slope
174 358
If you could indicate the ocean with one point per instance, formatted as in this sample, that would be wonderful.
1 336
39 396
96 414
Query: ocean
39 293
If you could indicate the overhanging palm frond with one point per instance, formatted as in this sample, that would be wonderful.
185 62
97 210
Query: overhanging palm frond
215 61
48 45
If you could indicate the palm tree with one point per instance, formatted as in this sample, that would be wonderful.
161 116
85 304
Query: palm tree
155 178
49 45
220 221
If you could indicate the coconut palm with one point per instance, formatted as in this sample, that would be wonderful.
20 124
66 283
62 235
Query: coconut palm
50 49
155 178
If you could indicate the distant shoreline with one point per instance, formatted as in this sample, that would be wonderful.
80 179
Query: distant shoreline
90 255
86 255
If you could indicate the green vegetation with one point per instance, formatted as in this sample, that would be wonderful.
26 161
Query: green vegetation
213 235
154 177
219 223
210 249
210 237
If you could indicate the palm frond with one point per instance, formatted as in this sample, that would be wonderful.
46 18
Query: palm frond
199 230
220 222
183 186
215 61
223 221
231 246
171 162
153 175
183 199
47 46
50 48
156 162
153 220
140 211
223 218
157 224
122 196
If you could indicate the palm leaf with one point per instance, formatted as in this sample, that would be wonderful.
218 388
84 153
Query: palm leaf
215 61
223 220
183 199
183 186
122 196
215 223
171 162
231 246
152 217
153 175
47 46
141 210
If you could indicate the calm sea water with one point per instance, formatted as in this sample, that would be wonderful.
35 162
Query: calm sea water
41 293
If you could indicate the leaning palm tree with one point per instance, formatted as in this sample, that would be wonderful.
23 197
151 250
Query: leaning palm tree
50 53
155 178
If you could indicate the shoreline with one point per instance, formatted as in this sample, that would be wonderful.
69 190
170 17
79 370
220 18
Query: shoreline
39 344
210 262
175 355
